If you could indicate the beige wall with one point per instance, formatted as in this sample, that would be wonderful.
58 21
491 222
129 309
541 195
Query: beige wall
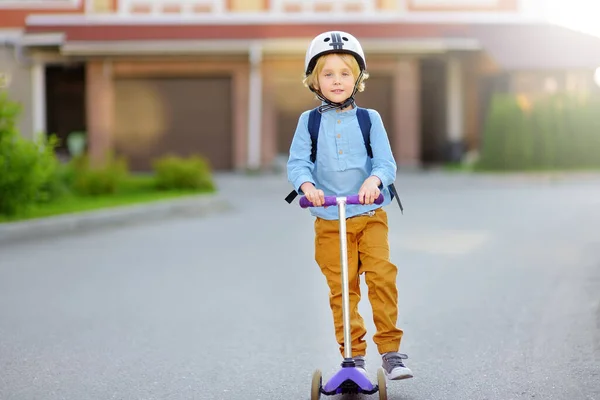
407 104
100 108
471 86
19 88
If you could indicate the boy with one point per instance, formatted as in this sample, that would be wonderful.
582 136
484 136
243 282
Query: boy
335 70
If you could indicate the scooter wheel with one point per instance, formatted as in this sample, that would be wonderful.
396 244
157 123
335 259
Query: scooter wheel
315 390
382 384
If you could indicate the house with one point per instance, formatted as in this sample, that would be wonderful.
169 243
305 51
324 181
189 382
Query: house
222 78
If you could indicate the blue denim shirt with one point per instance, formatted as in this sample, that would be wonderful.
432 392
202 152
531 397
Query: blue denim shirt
342 163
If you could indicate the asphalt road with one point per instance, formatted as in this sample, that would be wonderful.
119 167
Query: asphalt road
499 281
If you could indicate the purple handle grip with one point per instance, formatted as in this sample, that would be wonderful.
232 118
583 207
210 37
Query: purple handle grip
332 201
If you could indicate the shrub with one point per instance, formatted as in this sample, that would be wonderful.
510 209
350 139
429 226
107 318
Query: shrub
173 172
91 181
502 127
27 168
559 131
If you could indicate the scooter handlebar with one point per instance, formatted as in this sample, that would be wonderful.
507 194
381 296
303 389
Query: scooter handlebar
332 201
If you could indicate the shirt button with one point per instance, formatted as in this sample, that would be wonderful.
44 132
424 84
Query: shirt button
341 152
339 136
339 122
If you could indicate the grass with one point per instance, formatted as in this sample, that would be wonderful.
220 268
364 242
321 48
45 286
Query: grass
133 190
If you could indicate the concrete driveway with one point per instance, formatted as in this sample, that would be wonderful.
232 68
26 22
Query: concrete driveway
499 281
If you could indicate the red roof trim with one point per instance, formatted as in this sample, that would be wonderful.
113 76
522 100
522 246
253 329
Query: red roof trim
271 31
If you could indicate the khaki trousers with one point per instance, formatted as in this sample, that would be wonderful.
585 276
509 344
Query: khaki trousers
368 254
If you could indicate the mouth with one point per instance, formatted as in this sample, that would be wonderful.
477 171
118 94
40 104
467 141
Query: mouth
338 91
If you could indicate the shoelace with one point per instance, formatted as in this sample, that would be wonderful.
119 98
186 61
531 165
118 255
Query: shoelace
395 360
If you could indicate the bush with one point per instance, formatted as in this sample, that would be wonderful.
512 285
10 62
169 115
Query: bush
503 120
558 131
174 172
27 168
91 181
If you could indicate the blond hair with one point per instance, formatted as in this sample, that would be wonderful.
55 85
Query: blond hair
311 80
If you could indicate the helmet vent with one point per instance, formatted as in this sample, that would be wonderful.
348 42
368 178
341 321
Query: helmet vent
326 39
345 38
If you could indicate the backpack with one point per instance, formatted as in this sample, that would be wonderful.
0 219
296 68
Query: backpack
364 121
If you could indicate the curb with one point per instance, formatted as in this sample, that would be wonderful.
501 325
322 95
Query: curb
43 228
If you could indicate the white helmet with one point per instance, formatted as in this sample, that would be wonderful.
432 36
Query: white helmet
333 42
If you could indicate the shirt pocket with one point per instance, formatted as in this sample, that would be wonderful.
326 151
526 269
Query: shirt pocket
328 153
356 143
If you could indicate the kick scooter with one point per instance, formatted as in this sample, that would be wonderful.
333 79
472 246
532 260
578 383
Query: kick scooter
349 379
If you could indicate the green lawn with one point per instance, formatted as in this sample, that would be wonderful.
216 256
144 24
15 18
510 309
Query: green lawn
134 190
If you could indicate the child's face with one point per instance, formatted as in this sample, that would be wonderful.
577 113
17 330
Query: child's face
336 80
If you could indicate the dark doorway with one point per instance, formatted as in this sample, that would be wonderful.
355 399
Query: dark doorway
433 111
65 102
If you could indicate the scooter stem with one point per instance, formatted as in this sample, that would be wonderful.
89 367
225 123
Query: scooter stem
341 202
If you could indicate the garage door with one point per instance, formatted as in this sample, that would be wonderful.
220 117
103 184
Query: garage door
182 116
378 96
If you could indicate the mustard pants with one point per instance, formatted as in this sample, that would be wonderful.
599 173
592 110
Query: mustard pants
368 254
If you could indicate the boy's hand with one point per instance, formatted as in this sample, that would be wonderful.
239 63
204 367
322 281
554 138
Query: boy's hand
314 195
369 191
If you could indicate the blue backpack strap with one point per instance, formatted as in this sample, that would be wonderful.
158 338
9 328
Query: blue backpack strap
362 114
314 123
364 120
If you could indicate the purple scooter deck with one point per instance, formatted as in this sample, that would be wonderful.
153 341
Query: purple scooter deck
349 373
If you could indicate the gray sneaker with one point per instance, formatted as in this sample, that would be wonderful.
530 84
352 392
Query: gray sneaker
394 367
359 362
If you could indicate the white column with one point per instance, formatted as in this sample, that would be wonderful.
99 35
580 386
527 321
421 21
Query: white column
218 6
276 6
255 107
38 86
157 7
124 7
89 7
369 6
454 104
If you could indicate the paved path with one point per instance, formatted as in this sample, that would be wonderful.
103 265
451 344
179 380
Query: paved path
499 282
